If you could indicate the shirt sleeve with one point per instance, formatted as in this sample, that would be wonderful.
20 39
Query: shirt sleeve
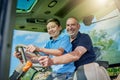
66 44
85 42
62 42
47 45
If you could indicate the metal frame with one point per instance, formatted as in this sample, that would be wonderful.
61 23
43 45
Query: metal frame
7 19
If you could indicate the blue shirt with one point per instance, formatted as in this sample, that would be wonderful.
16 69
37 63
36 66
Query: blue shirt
63 41
85 41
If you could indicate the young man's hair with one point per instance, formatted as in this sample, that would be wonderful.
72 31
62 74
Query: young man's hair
54 20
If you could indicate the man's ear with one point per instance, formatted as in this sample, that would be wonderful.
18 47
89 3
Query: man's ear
78 26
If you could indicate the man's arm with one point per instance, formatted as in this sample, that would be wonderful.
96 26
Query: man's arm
70 57
55 52
63 59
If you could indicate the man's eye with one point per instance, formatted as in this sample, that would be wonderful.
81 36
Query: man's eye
67 25
73 24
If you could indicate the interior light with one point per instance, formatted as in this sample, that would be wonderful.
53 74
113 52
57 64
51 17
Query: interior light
102 1
52 3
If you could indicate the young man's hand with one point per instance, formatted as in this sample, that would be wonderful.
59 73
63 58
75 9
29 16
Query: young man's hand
32 48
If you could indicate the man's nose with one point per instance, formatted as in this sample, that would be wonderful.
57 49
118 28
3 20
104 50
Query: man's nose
70 26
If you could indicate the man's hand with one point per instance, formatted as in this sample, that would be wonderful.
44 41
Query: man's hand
45 61
31 48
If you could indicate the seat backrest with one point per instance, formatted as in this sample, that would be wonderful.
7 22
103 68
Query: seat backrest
118 77
98 53
91 71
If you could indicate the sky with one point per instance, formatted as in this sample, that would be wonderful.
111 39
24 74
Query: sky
24 4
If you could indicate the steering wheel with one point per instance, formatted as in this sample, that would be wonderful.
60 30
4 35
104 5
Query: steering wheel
39 70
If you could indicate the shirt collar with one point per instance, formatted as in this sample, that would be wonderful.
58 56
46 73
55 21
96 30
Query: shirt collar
59 37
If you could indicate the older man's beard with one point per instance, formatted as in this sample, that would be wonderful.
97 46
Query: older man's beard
73 34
